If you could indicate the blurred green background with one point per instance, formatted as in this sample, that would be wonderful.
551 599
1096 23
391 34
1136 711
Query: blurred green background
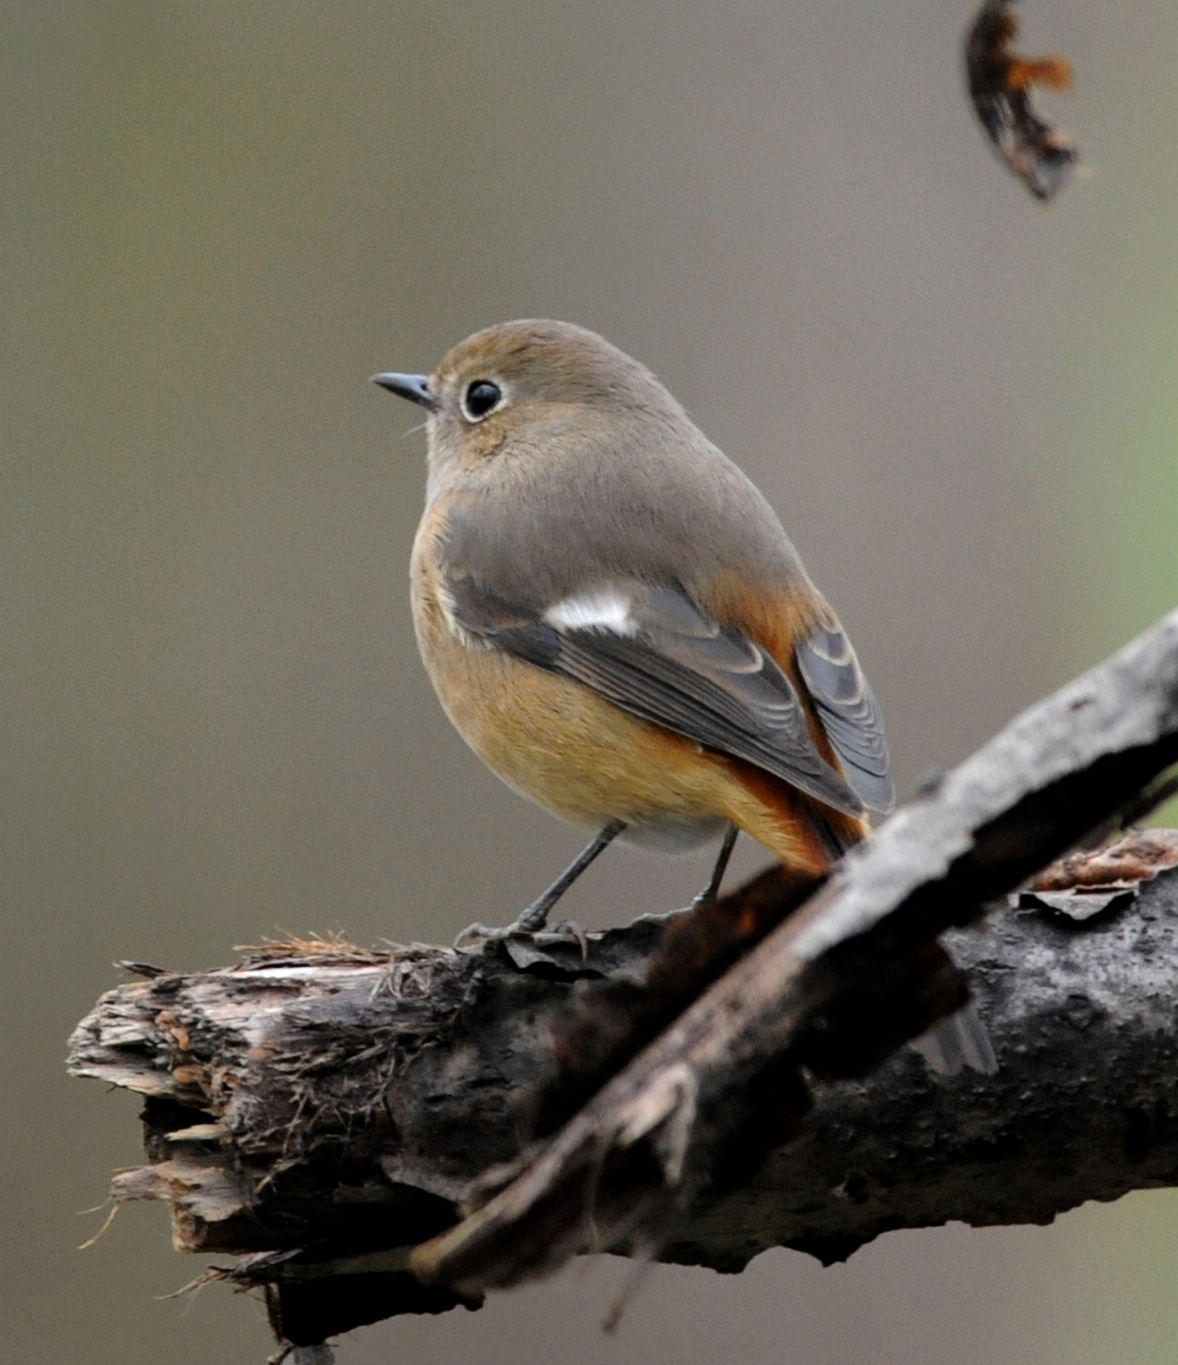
218 220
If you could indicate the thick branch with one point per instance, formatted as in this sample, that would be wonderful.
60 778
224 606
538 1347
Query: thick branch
326 1109
658 1135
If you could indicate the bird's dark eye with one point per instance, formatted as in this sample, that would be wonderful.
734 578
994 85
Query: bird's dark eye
481 397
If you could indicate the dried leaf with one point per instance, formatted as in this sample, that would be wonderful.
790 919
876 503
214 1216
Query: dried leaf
1000 84
1139 856
1081 904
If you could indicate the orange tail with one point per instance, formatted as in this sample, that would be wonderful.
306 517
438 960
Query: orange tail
804 834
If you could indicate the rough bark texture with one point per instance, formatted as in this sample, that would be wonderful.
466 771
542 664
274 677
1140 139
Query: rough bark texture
323 1111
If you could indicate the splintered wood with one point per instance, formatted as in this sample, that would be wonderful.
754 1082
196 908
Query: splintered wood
380 1133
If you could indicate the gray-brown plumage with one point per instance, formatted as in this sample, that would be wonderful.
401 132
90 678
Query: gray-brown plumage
613 616
616 622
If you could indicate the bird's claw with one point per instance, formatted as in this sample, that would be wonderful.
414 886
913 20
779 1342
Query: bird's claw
521 942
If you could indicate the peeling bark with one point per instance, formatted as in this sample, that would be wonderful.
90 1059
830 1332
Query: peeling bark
327 1114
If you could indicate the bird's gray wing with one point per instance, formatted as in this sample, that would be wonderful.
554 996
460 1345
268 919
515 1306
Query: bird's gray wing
848 711
652 653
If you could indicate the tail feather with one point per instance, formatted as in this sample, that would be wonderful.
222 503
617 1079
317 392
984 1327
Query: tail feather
815 836
959 1041
838 839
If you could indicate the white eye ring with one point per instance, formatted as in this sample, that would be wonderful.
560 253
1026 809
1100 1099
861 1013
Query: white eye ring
481 398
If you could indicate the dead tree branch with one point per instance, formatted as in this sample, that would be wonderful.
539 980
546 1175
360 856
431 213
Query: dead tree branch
324 1113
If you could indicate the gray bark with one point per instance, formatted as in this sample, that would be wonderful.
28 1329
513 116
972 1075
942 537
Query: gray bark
323 1112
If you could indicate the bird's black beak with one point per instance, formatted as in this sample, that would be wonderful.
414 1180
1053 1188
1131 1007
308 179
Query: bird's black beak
415 387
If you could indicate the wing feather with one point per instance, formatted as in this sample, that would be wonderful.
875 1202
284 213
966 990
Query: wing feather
667 663
849 712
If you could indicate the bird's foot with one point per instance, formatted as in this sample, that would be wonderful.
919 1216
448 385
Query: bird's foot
521 940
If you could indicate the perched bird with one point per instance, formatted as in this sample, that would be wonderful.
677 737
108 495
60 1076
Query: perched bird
617 624
614 619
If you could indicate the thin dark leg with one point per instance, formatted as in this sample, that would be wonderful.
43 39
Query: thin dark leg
712 890
533 919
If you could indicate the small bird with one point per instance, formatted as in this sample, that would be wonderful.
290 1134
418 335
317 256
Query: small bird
615 621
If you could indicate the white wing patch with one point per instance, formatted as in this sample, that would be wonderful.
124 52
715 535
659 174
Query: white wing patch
606 609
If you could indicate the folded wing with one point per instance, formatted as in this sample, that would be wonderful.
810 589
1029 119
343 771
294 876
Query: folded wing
848 711
652 653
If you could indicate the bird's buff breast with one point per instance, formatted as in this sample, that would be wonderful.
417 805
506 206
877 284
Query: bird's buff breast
570 751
